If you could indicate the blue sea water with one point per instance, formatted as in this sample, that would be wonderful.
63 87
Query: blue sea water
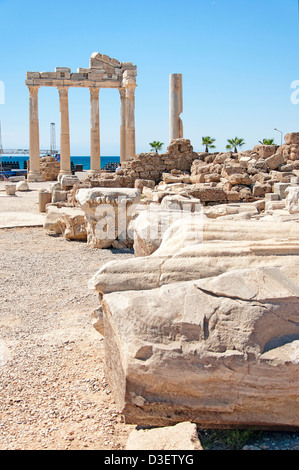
84 160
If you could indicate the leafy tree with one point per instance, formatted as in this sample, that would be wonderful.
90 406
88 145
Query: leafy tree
267 142
156 145
235 143
208 143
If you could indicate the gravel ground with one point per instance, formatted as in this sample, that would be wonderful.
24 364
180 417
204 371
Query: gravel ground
53 391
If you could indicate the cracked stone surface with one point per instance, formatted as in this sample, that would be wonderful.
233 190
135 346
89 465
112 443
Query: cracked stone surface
209 351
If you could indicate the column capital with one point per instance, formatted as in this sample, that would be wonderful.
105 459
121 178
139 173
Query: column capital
130 89
33 90
122 92
63 91
94 92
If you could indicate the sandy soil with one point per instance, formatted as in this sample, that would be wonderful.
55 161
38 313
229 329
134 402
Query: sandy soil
53 392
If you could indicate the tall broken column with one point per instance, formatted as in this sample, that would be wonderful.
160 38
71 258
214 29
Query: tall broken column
175 106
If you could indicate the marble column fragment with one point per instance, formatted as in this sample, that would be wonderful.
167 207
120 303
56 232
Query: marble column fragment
175 106
122 92
95 153
130 119
34 173
65 154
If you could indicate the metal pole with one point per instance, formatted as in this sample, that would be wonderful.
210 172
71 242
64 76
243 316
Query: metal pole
280 135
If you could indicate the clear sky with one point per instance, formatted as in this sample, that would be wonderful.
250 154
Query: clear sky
238 59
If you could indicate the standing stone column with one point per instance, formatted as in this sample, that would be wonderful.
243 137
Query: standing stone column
175 106
65 154
34 173
122 92
130 119
95 154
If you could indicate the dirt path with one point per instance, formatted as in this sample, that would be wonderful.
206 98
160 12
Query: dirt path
53 392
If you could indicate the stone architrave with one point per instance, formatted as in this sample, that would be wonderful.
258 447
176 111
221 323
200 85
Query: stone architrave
34 173
175 106
95 153
65 154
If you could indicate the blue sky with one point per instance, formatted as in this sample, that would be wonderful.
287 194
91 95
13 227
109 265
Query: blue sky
238 60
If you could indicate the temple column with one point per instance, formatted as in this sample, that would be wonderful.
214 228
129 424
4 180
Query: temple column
130 119
95 153
34 173
65 154
122 93
175 106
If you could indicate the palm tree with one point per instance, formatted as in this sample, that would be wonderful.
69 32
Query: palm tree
208 142
156 145
267 142
235 143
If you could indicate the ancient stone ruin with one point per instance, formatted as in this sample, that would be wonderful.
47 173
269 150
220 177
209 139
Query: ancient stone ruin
103 72
202 324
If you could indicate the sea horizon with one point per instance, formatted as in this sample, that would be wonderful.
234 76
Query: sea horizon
76 160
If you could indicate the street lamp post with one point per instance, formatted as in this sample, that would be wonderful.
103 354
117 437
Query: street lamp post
280 135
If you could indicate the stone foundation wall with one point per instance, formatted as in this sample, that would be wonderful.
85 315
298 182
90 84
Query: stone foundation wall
49 168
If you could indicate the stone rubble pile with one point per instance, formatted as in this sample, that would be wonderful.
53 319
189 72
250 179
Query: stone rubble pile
263 177
214 178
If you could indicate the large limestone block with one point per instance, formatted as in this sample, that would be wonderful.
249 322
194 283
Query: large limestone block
292 199
265 151
275 161
292 138
108 212
220 352
182 436
151 225
193 262
196 248
181 202
67 181
67 221
207 194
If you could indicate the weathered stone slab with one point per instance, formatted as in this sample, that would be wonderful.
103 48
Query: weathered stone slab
69 180
274 161
182 436
195 248
220 352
